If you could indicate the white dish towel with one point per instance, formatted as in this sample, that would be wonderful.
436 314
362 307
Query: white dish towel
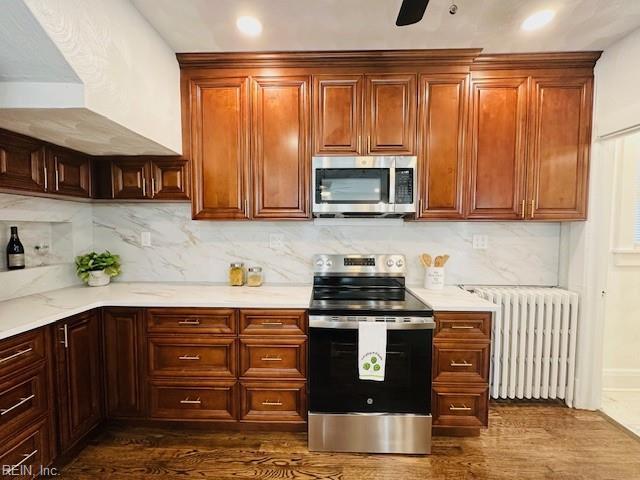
372 350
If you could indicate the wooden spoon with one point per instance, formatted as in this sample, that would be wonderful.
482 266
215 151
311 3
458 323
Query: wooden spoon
425 258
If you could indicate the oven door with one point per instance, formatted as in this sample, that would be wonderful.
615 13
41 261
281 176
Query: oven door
353 184
335 386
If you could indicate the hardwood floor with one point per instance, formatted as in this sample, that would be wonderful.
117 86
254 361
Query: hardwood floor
534 441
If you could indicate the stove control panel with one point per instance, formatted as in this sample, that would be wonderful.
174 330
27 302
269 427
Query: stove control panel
379 264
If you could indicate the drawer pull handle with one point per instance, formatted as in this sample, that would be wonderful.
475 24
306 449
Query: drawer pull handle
463 364
272 404
26 456
23 400
17 354
462 327
186 401
463 408
272 323
189 321
271 359
189 357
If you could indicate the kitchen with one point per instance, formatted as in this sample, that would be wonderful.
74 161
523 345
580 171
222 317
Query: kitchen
276 212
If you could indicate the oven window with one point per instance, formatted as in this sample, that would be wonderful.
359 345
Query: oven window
334 384
352 185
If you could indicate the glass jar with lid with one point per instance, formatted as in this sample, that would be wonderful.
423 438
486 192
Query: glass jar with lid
236 274
254 276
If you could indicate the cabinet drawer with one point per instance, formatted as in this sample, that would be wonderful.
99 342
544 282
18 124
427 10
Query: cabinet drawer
24 456
462 326
466 362
273 402
191 320
273 322
192 357
210 400
271 357
460 406
21 351
22 400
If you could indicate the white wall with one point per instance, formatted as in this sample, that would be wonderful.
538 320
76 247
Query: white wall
130 76
617 79
621 359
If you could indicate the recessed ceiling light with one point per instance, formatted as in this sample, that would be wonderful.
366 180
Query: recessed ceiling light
538 20
249 26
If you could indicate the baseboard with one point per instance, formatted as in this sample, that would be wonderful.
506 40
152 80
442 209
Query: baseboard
621 379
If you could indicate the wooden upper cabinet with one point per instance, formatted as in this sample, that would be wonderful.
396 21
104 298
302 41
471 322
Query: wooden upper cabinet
220 147
69 172
280 147
337 114
559 141
442 112
22 163
497 151
169 179
130 178
390 114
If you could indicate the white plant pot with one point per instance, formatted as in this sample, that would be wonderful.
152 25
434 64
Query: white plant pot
434 278
98 279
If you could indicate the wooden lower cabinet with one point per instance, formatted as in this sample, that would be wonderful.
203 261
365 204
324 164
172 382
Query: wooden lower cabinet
461 357
124 362
79 378
192 356
188 400
269 401
26 453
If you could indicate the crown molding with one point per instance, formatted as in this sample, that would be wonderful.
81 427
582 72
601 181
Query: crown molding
345 58
514 61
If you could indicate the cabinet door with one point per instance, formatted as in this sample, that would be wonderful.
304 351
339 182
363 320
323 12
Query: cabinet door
559 143
220 148
337 114
124 345
497 152
390 114
169 179
22 163
69 172
442 116
79 378
280 149
130 178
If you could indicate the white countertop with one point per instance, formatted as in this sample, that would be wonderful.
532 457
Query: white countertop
26 313
453 299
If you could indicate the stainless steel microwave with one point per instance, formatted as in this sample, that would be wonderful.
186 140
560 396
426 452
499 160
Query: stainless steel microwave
364 186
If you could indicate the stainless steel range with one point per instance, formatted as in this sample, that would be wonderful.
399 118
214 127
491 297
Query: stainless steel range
348 414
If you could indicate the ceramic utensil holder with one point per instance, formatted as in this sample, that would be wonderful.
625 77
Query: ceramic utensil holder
434 278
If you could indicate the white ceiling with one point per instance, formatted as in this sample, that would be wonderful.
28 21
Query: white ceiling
209 25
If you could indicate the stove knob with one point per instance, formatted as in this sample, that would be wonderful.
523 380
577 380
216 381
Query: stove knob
329 263
390 263
320 262
399 263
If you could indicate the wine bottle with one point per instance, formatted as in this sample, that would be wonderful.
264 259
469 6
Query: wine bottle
15 251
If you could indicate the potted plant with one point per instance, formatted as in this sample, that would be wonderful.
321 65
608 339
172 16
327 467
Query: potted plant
96 269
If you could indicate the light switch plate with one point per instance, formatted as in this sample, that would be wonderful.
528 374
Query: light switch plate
145 239
480 242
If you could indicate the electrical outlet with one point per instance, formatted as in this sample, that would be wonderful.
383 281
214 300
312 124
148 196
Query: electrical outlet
276 241
145 239
480 242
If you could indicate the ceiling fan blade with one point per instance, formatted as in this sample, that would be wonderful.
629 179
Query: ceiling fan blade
411 11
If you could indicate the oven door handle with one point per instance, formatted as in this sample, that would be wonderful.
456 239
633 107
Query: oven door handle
414 323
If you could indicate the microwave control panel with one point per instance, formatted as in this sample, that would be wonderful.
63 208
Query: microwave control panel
404 185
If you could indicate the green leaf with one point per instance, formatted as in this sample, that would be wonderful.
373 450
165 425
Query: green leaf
93 261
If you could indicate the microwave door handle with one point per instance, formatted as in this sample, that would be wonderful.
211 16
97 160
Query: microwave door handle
392 185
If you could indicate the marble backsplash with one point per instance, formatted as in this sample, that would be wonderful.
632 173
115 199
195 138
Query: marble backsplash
65 227
200 251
